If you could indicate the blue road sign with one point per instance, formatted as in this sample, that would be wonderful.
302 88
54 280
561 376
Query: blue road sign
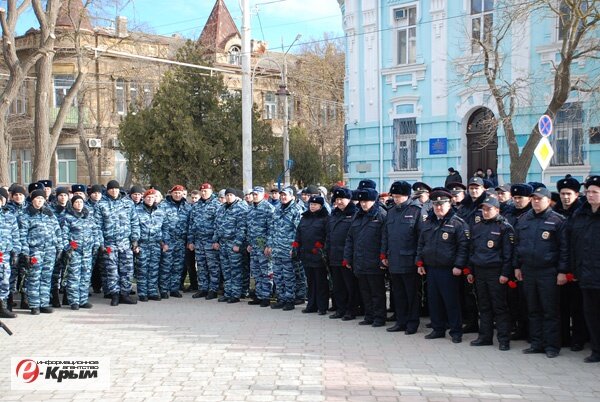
545 125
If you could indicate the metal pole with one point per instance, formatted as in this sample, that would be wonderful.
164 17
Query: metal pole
286 117
246 98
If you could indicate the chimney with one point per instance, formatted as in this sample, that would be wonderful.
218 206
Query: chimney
121 27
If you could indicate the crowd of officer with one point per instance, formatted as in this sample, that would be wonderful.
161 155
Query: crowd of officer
477 257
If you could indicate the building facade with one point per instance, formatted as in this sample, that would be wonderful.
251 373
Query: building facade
416 103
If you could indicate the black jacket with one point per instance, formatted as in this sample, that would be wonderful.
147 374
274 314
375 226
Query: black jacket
567 213
541 241
583 230
443 243
310 237
492 243
453 178
338 225
470 210
363 243
401 236
513 214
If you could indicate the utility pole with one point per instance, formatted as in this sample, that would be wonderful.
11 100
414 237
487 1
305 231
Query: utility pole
246 98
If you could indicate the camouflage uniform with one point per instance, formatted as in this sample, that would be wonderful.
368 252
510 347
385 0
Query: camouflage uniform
9 245
281 235
200 233
60 213
120 228
41 240
82 237
260 216
152 228
230 231
175 234
17 270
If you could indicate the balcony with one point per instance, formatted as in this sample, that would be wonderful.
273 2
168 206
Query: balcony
72 117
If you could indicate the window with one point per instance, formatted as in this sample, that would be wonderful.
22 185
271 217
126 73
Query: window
67 165
406 20
133 97
120 167
62 84
26 166
13 166
235 55
594 135
120 95
482 21
19 105
270 106
405 144
567 137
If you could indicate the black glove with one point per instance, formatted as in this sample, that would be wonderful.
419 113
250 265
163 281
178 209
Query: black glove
294 254
14 259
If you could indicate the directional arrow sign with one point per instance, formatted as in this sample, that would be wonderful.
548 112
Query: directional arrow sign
544 152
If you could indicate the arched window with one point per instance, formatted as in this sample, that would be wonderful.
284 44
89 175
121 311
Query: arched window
235 55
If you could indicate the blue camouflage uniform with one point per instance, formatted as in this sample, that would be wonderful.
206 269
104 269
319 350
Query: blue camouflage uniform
9 245
82 237
60 212
230 231
97 272
16 271
41 238
177 215
201 229
260 216
152 229
120 227
281 235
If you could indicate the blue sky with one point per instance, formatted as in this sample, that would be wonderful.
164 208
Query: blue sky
271 20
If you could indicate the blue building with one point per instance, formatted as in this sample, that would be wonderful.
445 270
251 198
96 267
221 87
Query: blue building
417 102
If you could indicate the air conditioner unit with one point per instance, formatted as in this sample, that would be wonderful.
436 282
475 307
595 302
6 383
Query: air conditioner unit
115 143
400 14
94 143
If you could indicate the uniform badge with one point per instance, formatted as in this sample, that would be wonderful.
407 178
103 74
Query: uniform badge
545 235
490 244
445 236
477 219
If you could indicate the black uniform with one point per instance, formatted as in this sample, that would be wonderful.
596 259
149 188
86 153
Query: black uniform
345 284
444 245
310 236
492 242
363 246
541 253
583 233
399 246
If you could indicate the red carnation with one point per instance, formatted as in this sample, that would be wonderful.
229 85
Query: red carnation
318 244
512 284
314 251
1 259
344 263
382 256
570 277
33 260
295 244
1 253
419 263
466 271
270 275
73 244
108 250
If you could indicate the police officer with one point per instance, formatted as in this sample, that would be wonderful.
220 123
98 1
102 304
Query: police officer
421 193
94 196
260 217
492 242
10 245
458 193
59 208
504 197
345 285
442 253
584 232
541 261
398 250
200 233
362 255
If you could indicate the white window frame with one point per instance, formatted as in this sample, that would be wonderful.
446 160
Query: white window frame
564 134
405 141
408 27
120 96
62 85
26 166
482 17
14 166
235 55
270 106
19 105
120 167
69 163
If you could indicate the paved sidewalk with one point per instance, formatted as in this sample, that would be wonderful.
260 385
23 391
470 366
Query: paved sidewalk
197 350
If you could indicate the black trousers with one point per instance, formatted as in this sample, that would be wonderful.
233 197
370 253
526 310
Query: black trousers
405 297
517 307
443 290
345 290
317 292
372 289
468 303
493 306
591 311
573 330
189 268
96 272
542 295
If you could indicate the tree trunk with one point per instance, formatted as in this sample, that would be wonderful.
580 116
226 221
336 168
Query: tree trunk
89 157
4 151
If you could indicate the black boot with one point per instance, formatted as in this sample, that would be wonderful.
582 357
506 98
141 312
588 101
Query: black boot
54 298
65 300
126 299
114 299
4 312
24 301
9 302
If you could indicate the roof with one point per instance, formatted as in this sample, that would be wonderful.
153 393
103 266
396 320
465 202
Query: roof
72 14
219 28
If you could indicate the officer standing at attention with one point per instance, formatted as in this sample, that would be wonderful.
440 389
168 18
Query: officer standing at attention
442 253
9 245
541 261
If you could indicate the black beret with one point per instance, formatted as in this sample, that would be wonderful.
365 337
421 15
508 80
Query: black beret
592 181
400 187
367 183
62 190
17 190
568 182
96 188
316 199
521 189
35 186
367 194
231 190
136 189
75 198
112 184
342 192
78 188
420 186
4 193
37 193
